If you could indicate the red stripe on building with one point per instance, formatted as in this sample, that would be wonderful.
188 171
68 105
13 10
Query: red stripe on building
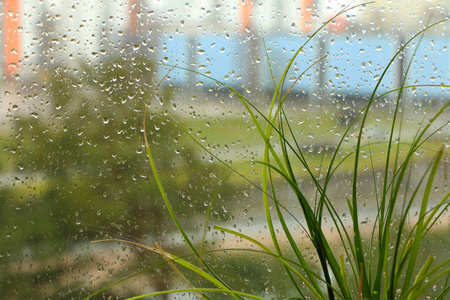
246 11
305 18
11 36
133 19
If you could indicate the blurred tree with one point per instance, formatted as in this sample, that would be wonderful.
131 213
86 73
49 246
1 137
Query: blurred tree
83 173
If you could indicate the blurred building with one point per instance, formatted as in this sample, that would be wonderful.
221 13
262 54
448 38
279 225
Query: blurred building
41 35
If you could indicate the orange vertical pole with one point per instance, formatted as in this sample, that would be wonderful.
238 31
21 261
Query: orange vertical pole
133 20
305 19
11 36
246 11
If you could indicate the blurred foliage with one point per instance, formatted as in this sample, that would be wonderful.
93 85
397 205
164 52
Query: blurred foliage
79 169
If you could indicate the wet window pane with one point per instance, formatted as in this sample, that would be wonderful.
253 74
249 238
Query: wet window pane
275 148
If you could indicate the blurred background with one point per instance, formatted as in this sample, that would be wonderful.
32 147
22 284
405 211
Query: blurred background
76 77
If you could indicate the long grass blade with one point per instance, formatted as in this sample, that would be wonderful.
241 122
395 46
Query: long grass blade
425 284
180 261
283 261
384 221
198 290
165 198
420 278
420 223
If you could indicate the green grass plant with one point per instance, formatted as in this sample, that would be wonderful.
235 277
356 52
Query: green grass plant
390 267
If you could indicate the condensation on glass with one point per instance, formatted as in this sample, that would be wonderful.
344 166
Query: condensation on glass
76 79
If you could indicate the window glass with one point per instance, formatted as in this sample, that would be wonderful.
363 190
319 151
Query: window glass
79 79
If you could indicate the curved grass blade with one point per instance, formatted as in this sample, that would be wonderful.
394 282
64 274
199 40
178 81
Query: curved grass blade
394 279
281 259
121 280
367 291
420 223
429 282
164 195
199 290
178 260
